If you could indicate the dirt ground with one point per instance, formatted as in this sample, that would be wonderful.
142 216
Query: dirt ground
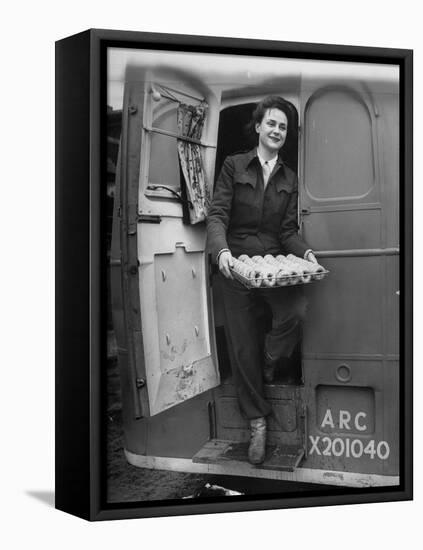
127 483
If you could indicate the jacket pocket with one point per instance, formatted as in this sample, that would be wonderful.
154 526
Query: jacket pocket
284 186
244 178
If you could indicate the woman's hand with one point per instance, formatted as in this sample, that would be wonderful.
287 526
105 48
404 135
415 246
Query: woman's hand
311 258
226 262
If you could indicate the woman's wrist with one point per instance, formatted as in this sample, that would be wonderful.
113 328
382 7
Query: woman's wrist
220 252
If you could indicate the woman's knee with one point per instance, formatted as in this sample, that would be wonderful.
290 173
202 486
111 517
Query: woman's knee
295 312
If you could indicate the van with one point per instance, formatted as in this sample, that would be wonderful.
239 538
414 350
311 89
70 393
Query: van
336 402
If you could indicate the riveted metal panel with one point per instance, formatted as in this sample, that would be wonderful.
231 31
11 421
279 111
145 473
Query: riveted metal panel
160 276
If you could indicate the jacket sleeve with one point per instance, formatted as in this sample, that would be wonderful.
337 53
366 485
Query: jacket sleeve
290 241
220 210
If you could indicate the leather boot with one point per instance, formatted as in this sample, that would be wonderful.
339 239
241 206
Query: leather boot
257 448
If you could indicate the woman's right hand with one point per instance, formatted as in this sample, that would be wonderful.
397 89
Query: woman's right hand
226 262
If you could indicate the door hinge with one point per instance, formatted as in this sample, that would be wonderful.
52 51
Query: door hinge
115 262
212 269
305 428
133 269
149 218
140 383
211 408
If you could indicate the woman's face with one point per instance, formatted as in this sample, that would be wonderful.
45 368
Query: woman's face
272 130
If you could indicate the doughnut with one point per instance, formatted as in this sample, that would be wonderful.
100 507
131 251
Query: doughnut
292 268
248 273
268 272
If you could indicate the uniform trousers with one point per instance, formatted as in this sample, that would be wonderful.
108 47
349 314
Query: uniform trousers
288 306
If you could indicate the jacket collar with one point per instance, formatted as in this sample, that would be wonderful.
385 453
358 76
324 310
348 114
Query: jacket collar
251 158
251 155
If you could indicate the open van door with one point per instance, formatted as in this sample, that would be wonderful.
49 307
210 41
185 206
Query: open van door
161 302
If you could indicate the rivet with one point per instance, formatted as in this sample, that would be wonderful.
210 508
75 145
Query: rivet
155 94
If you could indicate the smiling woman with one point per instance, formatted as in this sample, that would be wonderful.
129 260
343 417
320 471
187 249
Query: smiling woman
254 212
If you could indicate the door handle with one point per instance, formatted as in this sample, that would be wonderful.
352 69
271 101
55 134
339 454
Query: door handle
304 212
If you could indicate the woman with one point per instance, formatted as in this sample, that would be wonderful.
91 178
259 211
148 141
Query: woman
254 212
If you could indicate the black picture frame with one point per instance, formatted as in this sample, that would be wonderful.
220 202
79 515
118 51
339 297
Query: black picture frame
80 270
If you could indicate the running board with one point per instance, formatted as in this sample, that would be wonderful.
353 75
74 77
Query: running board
233 468
284 458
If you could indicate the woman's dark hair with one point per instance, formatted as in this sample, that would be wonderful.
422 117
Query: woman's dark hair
271 102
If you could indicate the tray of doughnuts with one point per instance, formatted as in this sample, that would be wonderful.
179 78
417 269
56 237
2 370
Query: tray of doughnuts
275 271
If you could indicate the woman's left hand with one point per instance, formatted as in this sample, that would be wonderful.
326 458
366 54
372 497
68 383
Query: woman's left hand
311 258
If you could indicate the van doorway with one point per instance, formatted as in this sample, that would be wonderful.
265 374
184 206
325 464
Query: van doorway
235 135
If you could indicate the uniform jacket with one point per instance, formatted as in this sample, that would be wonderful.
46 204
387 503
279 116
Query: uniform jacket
250 220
